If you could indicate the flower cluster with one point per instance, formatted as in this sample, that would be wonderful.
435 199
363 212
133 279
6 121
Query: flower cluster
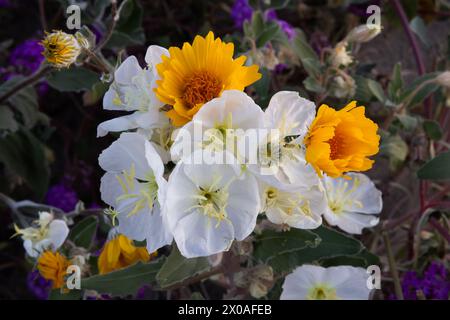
434 284
188 107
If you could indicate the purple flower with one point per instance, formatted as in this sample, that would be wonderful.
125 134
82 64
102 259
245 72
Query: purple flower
434 284
27 56
62 196
39 286
271 15
240 12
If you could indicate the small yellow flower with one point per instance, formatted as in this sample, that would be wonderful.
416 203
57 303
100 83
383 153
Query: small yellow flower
197 73
341 141
60 49
120 252
52 266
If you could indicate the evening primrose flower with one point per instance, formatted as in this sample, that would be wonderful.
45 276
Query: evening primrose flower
352 203
208 206
60 49
134 187
301 209
281 154
198 73
119 252
220 121
132 91
310 282
341 141
53 266
49 233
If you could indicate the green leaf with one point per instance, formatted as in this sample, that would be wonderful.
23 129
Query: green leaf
72 79
257 24
270 31
306 54
432 129
177 268
23 154
363 259
129 29
7 121
311 84
363 92
395 86
23 101
420 29
83 233
278 248
326 243
262 87
395 149
56 294
424 92
408 122
125 281
377 90
437 168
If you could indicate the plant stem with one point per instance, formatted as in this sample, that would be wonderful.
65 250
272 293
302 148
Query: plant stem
114 19
439 228
26 82
414 45
393 267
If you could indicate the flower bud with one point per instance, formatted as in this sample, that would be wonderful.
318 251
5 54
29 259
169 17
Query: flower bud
443 79
340 56
60 49
363 33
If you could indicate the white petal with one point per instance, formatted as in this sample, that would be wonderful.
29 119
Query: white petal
109 100
350 282
127 70
118 124
288 110
197 235
296 285
57 233
352 222
243 206
154 55
234 104
368 195
126 151
110 188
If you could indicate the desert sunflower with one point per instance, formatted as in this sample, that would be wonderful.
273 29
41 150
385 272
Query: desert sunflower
197 73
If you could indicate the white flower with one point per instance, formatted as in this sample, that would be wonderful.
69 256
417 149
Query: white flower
282 162
352 202
217 125
132 90
153 57
208 206
317 283
134 187
49 233
301 209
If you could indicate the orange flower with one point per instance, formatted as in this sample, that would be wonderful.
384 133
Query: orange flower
198 73
120 252
341 141
52 266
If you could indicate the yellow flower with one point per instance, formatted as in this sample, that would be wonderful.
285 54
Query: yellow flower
52 266
60 49
340 141
197 73
120 252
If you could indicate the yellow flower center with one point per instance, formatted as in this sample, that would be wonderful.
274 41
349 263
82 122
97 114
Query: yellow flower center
201 88
322 292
